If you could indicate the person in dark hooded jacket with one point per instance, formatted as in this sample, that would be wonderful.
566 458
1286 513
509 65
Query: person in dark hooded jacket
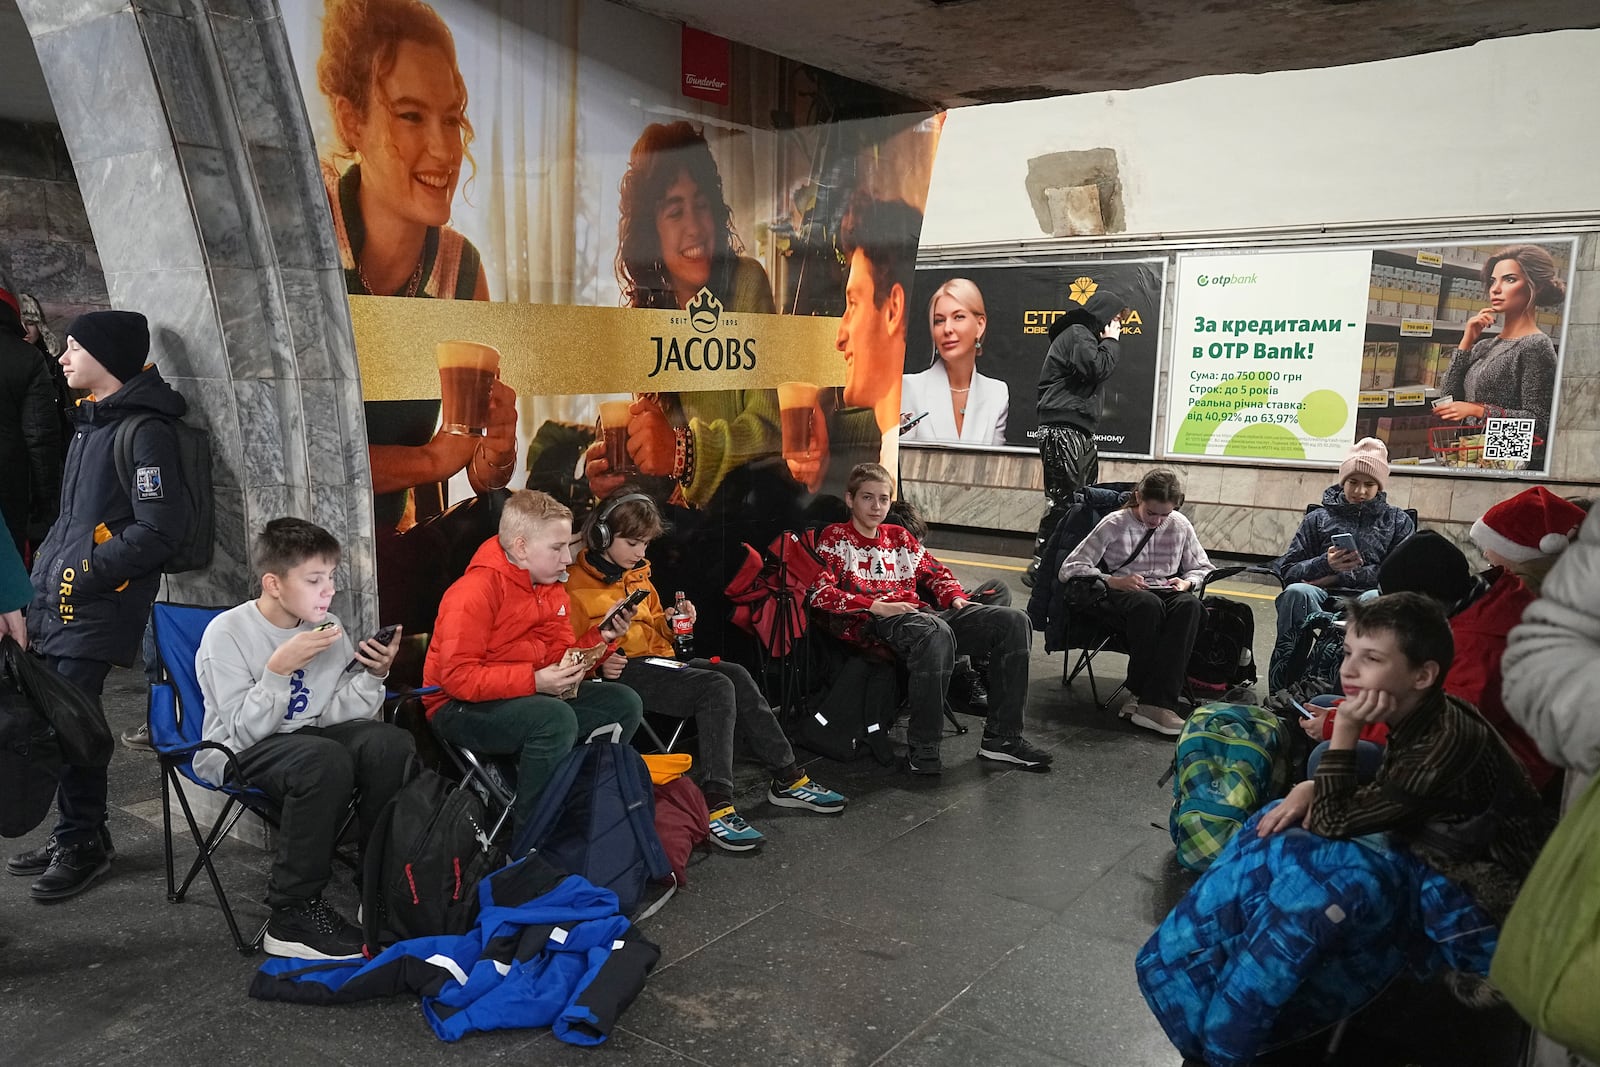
1314 570
98 570
1083 354
30 444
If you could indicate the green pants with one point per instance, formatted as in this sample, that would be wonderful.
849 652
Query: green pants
539 730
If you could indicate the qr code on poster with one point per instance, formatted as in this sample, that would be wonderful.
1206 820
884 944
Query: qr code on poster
1508 440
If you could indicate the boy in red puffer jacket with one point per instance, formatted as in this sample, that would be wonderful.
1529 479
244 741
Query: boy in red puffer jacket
499 648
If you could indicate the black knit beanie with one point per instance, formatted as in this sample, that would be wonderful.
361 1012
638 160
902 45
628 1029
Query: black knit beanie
118 340
1427 563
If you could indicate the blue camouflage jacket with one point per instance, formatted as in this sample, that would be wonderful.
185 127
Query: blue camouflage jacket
1377 526
1286 935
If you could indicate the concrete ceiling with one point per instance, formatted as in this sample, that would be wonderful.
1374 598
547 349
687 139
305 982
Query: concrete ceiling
985 51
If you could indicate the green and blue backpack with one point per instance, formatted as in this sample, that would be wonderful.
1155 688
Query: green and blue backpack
1228 765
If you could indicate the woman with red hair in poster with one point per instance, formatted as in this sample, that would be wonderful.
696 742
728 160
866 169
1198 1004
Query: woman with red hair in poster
399 105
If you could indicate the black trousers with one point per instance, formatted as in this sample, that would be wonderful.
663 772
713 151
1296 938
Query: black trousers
1071 461
312 773
928 643
80 791
1160 629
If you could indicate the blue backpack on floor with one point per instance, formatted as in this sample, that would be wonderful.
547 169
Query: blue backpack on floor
597 818
1229 763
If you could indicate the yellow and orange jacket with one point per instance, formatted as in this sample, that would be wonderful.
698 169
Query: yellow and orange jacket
593 593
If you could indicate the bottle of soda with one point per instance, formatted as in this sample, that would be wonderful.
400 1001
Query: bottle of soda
682 627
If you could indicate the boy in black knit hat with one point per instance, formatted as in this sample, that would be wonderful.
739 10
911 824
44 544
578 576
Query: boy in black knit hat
98 570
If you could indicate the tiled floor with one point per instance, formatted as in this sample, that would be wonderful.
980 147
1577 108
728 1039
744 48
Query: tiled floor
990 918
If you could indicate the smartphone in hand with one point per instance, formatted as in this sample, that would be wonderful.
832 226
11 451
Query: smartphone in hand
633 600
1301 708
1345 542
383 637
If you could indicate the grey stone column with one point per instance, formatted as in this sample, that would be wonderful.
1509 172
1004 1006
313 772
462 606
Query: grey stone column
184 122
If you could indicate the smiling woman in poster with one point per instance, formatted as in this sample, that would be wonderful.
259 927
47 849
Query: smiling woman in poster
1513 374
675 236
962 405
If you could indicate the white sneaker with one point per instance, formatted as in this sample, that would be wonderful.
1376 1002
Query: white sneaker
1150 717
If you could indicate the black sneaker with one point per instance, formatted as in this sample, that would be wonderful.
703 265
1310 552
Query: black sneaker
924 759
72 869
311 931
1014 750
36 861
1031 574
966 687
138 737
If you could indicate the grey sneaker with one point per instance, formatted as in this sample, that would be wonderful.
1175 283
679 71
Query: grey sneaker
138 737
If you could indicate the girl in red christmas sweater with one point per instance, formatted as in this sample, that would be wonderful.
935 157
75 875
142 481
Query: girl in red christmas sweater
872 586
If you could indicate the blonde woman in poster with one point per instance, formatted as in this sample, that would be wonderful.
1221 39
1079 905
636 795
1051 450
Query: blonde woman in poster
1513 374
675 237
388 70
961 404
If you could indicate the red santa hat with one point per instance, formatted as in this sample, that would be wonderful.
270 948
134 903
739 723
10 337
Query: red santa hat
1531 524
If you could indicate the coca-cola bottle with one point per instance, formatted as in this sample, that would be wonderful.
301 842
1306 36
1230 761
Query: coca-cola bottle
682 627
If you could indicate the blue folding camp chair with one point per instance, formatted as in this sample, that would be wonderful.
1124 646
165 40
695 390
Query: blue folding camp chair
177 728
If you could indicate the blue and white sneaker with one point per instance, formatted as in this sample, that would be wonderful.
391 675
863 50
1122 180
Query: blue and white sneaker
730 831
807 796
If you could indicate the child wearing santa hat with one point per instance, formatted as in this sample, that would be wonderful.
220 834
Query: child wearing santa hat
1522 537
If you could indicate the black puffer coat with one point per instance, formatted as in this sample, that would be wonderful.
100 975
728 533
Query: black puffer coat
97 573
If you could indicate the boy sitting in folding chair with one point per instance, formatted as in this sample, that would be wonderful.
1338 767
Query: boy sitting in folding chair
513 679
875 569
720 696
300 707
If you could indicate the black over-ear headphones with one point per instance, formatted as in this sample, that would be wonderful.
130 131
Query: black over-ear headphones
600 536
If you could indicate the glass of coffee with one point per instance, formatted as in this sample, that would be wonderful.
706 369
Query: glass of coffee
467 371
614 415
797 406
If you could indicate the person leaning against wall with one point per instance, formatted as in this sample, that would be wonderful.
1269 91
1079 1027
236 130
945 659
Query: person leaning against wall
1084 349
98 570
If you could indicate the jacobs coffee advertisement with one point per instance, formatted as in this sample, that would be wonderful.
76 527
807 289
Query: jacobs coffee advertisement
977 342
1449 353
572 265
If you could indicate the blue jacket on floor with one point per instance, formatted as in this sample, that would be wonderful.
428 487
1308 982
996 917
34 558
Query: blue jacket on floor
565 959
1286 935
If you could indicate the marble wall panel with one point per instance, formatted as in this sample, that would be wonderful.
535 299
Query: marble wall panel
24 210
228 580
337 331
264 435
293 239
212 407
238 295
64 207
1203 484
214 190
1429 496
324 435
255 97
1582 355
114 112
264 502
141 198
184 82
1580 407
1578 456
57 272
1583 305
305 314
185 336
353 439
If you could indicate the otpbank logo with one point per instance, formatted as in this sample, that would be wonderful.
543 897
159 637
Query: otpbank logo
713 344
1220 280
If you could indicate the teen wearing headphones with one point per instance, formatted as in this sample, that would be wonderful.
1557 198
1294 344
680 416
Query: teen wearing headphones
720 696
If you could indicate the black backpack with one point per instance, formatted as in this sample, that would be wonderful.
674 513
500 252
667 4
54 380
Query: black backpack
427 853
193 551
30 761
597 818
1224 649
